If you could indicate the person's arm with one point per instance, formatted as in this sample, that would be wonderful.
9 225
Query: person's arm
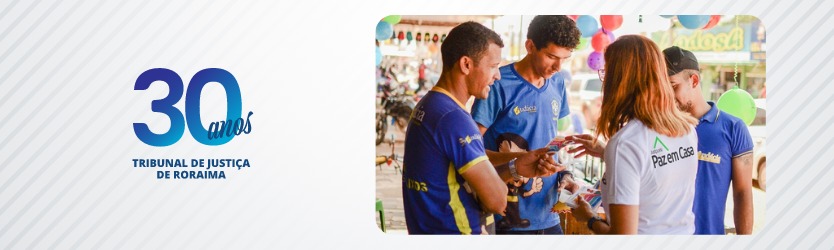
622 191
742 171
743 193
622 218
490 187
536 163
492 191
498 158
546 164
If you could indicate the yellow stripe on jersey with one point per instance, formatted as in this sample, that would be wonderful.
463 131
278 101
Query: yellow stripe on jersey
445 92
472 163
454 201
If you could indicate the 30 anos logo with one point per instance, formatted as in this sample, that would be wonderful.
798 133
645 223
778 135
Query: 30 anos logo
219 132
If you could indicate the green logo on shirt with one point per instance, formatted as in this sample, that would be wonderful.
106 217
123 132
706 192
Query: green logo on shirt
656 140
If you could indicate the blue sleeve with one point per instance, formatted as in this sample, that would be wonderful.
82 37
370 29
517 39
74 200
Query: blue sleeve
565 111
485 111
460 140
742 141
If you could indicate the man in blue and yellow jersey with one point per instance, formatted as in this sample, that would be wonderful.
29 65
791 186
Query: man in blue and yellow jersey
444 151
528 101
725 151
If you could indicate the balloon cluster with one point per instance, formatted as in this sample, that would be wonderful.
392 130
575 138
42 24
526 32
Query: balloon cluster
601 34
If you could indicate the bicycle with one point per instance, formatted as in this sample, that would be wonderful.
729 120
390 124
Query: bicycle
392 158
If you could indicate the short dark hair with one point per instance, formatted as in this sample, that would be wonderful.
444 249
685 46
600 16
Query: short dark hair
559 30
467 39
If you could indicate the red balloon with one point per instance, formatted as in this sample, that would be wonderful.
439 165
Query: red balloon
611 23
600 41
573 17
713 20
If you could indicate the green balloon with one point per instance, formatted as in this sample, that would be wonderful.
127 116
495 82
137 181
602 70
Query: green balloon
393 19
583 43
738 103
563 123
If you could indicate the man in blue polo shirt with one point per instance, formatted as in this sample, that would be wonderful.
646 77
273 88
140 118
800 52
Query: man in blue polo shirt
445 164
528 101
724 151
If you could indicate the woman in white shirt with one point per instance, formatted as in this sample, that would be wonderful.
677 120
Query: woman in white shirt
651 153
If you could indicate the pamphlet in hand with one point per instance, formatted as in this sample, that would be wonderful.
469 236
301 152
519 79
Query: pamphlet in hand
587 193
557 144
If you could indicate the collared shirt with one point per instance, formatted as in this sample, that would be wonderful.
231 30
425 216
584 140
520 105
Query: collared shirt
721 137
441 143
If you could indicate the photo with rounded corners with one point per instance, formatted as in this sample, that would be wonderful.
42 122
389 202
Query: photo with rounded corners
511 124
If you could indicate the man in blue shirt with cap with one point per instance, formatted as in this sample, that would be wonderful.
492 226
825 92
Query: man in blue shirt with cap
725 151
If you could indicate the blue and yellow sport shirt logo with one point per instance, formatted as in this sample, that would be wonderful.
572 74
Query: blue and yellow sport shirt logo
469 139
709 157
518 110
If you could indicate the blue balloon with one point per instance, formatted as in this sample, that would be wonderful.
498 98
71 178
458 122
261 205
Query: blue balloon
384 30
693 21
378 56
587 25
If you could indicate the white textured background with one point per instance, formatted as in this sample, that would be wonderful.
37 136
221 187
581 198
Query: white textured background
67 70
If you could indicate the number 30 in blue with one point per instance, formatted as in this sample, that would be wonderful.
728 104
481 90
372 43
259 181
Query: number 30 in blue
192 105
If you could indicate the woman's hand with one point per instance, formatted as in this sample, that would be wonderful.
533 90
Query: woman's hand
586 146
583 212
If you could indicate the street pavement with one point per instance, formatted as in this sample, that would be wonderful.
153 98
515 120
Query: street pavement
389 183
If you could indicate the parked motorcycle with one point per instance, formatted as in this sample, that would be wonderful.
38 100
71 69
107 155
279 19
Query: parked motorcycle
398 106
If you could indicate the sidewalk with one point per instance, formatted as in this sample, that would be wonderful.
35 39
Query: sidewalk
389 183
